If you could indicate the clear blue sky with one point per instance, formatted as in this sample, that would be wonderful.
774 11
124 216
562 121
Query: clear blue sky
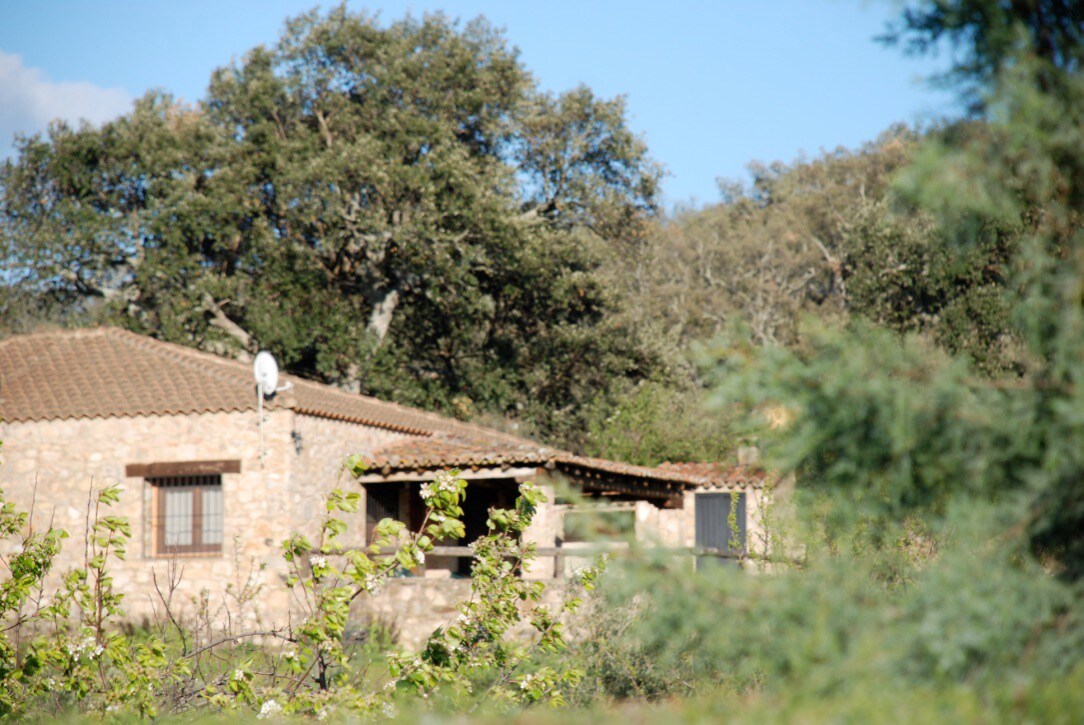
710 85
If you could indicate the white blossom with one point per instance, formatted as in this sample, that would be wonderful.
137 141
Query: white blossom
238 675
443 483
318 562
89 646
373 583
269 709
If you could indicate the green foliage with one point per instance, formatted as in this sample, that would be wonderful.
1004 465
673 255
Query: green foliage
26 567
828 238
396 208
473 661
899 274
655 421
937 511
957 609
988 37
929 561
767 254
73 655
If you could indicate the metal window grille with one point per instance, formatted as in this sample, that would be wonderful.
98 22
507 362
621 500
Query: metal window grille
189 514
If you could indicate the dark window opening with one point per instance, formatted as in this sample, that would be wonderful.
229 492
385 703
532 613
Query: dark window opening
403 502
480 499
189 514
381 502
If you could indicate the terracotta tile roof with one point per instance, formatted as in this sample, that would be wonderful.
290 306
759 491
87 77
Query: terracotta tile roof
440 453
107 372
325 401
690 474
718 474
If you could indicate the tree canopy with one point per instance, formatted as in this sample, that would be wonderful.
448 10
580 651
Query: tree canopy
904 428
394 208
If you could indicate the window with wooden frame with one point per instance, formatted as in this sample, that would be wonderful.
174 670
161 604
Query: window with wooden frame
186 513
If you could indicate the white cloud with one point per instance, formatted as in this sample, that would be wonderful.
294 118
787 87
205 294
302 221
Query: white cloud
29 100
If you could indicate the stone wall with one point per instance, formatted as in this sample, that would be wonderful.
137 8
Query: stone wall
543 532
319 446
55 463
415 606
274 494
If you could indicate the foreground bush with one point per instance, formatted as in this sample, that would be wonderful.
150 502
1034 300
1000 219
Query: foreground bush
67 651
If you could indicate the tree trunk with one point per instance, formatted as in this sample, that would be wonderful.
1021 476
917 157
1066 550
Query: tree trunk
380 317
224 323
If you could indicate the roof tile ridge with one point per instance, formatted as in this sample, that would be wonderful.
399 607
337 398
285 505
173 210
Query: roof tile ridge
648 471
354 397
188 355
60 332
462 429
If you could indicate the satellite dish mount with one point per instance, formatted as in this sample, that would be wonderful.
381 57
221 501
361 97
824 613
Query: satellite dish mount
266 373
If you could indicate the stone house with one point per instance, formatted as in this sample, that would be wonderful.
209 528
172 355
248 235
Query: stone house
216 476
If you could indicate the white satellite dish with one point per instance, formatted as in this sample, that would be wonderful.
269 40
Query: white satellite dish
266 372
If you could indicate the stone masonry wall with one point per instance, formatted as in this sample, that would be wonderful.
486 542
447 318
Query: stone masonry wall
275 494
415 606
64 458
317 468
270 498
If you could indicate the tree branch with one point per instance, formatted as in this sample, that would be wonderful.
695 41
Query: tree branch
220 320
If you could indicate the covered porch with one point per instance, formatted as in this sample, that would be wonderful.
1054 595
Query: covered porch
594 504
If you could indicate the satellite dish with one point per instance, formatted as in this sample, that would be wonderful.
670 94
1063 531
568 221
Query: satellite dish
266 372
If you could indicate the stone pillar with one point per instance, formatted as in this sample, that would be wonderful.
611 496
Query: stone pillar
647 524
543 533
